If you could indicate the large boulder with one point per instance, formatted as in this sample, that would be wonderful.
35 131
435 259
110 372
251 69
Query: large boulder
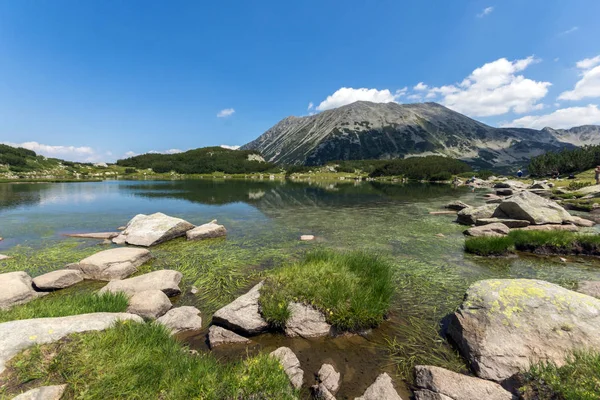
166 280
16 288
591 191
112 264
16 336
55 280
511 223
43 393
149 304
290 364
149 230
243 314
504 325
218 336
591 288
206 231
182 319
470 215
533 208
433 383
489 230
518 185
381 389
306 321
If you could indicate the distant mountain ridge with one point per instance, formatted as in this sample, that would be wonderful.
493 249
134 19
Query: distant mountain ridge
365 130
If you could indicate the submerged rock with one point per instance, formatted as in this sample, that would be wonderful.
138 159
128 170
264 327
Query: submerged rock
243 314
55 280
149 304
95 235
112 264
16 288
218 336
182 319
306 321
381 389
469 216
16 336
166 280
489 230
439 383
456 205
149 230
43 393
206 231
504 325
533 208
511 223
290 364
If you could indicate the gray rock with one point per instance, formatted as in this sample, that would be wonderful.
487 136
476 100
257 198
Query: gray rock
218 336
149 230
43 393
490 230
469 216
540 185
591 288
243 314
456 205
511 223
578 221
533 208
95 235
321 392
290 364
306 321
518 185
112 264
504 325
504 192
149 304
329 378
455 386
381 389
4 257
165 280
551 227
16 336
593 191
16 288
182 319
60 279
206 231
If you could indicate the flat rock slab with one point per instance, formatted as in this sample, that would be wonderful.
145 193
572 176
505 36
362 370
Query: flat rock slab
511 223
470 215
533 208
504 325
381 389
149 304
551 227
60 279
218 336
16 336
165 280
591 288
306 321
16 288
43 393
431 381
243 314
586 223
490 230
206 231
182 319
593 191
290 364
95 235
149 230
112 264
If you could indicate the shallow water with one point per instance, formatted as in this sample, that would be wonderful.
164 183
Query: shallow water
264 222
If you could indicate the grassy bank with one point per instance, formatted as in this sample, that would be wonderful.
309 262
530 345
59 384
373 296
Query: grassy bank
353 290
142 361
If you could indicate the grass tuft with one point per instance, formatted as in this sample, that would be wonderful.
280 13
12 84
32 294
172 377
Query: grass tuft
489 246
353 290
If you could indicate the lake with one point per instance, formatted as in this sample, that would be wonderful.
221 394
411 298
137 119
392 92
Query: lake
264 221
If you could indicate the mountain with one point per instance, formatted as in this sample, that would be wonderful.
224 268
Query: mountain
579 136
365 130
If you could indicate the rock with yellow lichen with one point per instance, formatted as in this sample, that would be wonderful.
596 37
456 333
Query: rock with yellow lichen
505 325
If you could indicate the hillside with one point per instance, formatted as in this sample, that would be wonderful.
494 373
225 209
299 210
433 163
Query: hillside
365 130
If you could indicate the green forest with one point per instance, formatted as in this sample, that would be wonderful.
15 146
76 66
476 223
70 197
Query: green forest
565 162
431 168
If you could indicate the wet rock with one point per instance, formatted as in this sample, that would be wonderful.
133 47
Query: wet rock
551 227
290 364
320 392
381 389
149 304
112 264
43 393
96 235
504 325
489 230
243 314
16 288
470 215
439 383
149 230
182 319
16 336
165 280
456 205
578 221
306 321
533 208
307 238
591 288
57 279
329 378
218 336
511 223
206 231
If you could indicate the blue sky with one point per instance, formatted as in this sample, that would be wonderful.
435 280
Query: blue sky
95 80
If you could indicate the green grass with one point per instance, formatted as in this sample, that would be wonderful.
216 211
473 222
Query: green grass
353 290
58 305
489 246
578 379
142 361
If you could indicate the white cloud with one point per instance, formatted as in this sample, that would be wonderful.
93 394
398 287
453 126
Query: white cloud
420 87
69 153
225 113
170 151
225 146
589 84
571 30
560 119
495 89
130 154
310 106
347 95
485 11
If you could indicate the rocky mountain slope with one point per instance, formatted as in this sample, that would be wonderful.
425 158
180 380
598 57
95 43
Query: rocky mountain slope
365 130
